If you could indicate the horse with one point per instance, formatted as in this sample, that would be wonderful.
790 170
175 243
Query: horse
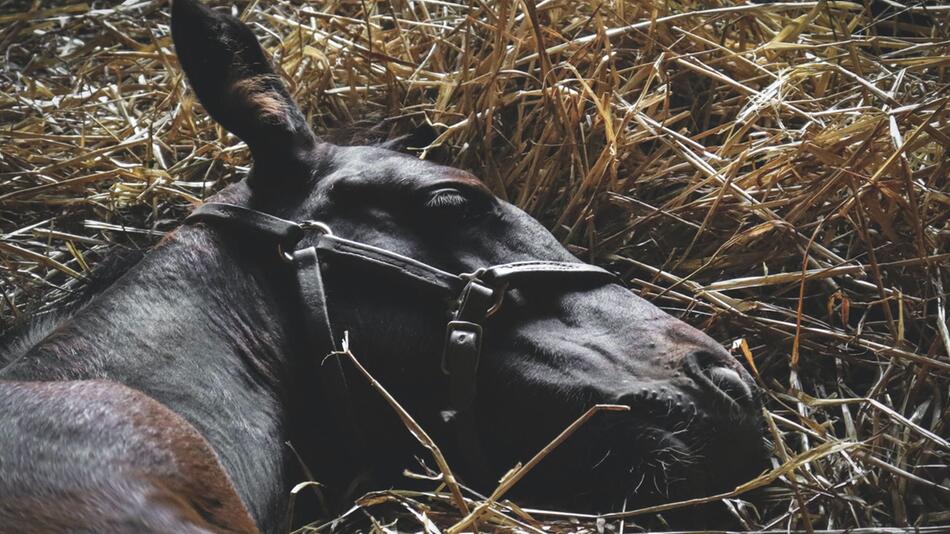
166 401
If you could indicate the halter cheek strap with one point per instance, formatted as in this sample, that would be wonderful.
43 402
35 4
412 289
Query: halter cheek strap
473 297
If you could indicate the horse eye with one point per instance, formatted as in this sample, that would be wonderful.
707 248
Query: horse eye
455 205
446 198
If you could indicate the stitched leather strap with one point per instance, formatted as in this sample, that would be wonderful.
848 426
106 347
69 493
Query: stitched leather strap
390 262
288 233
537 271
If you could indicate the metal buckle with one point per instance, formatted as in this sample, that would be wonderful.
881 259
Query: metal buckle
308 225
498 292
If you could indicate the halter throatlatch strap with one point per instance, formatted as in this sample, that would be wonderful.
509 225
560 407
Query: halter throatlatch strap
320 336
473 297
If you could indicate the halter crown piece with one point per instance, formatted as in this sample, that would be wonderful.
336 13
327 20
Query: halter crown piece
473 298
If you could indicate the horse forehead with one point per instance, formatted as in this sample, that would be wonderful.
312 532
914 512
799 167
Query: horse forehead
384 166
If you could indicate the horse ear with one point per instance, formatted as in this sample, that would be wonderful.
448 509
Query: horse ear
235 82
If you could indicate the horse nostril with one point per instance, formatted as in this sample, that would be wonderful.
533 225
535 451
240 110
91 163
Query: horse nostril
713 370
729 382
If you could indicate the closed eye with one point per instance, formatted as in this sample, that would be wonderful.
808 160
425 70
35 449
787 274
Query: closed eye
457 202
446 198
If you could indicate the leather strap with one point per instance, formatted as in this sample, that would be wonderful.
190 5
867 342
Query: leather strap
390 262
461 354
281 231
320 342
534 271
310 282
288 233
462 349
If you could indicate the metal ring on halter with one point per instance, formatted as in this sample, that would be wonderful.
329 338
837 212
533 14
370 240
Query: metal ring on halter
316 225
321 228
499 293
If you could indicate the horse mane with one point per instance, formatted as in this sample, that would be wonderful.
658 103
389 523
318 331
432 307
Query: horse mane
21 337
119 259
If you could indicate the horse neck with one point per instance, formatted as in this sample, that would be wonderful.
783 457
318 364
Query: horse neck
199 326
24 336
194 301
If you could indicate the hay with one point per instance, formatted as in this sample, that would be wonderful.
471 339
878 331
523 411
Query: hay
774 173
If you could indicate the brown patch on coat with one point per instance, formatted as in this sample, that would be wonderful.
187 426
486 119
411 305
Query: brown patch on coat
164 478
200 480
258 93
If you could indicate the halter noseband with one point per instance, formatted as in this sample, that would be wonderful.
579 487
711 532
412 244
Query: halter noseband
473 298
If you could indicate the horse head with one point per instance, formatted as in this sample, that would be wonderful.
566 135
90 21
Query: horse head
551 345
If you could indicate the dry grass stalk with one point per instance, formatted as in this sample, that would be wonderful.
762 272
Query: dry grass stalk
518 472
414 428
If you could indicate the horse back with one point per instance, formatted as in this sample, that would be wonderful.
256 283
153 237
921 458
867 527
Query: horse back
145 468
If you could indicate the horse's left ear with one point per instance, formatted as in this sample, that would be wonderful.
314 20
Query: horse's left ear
235 82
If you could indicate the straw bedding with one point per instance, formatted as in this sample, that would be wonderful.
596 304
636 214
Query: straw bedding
775 173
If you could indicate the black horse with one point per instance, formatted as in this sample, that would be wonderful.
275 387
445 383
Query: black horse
165 403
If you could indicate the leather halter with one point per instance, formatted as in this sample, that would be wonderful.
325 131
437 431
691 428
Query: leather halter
473 296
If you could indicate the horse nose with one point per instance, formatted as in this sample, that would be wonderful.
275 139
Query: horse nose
715 371
729 382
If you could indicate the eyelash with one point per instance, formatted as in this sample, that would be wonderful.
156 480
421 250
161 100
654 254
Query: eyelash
447 199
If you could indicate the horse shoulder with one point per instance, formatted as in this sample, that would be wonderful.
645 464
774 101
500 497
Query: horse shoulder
99 456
